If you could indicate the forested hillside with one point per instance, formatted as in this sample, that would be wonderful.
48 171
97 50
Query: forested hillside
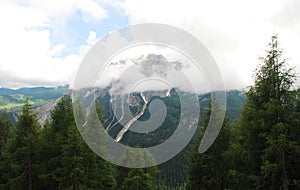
261 150
14 99
258 146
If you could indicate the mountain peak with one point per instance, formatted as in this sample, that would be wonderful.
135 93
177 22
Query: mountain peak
151 58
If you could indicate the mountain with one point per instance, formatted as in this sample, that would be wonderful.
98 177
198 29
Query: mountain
172 172
43 112
116 115
122 110
45 99
14 99
147 69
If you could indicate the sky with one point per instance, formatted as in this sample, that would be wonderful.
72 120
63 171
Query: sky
42 42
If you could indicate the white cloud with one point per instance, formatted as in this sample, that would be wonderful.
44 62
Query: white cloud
289 15
28 57
59 9
236 32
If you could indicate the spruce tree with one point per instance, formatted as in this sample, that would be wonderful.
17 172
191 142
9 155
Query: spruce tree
5 133
209 170
137 178
54 138
266 124
100 173
5 129
22 152
69 162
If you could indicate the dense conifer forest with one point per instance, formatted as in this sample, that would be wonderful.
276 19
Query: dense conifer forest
258 147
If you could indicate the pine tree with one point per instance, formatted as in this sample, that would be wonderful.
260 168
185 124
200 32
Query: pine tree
54 137
69 162
5 133
209 170
72 170
137 178
82 168
21 154
5 130
266 124
100 172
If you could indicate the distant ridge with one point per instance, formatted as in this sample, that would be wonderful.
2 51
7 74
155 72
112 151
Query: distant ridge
31 90
44 100
13 100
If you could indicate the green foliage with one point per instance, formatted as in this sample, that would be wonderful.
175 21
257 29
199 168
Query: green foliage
69 163
13 99
22 152
259 151
263 150
5 130
209 170
137 178
269 148
5 133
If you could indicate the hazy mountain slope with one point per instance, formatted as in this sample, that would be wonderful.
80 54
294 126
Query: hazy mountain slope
14 99
44 99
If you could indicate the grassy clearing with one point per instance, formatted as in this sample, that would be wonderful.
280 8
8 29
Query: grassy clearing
10 106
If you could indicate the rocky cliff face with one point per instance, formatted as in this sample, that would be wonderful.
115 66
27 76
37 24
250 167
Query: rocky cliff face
43 113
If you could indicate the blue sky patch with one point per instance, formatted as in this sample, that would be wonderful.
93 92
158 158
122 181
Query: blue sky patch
76 31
